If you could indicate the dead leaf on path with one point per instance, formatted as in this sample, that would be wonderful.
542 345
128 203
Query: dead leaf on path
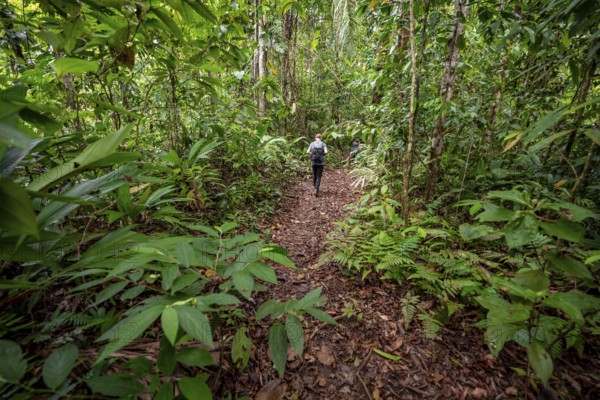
480 393
300 276
313 266
511 390
325 356
376 393
272 391
384 317
397 344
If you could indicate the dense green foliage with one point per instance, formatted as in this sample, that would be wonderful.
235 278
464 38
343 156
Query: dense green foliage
142 142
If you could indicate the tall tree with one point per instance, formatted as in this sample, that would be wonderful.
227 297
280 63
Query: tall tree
407 159
446 92
260 55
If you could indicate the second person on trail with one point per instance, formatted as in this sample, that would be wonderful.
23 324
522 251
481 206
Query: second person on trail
317 151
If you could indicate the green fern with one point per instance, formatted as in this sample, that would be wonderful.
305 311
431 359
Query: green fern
408 307
431 326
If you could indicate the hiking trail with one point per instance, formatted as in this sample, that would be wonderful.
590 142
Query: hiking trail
341 362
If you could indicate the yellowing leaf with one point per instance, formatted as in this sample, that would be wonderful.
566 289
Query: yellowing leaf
512 143
272 68
372 5
209 272
560 183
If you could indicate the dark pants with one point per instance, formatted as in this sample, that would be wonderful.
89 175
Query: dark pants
317 172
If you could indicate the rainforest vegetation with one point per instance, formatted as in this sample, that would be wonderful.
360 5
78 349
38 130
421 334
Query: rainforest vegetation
146 146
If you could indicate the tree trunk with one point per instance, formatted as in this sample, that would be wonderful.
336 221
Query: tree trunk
174 112
494 110
437 139
72 101
261 60
583 93
407 160
286 64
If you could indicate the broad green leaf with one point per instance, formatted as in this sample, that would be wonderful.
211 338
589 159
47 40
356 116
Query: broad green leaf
540 361
511 195
494 213
195 323
278 347
194 389
170 324
16 210
321 316
523 229
166 360
115 385
184 281
570 211
592 259
568 230
184 253
241 348
194 357
110 291
244 283
168 21
563 303
311 299
504 312
262 271
94 152
221 299
533 279
226 227
273 255
387 355
128 329
472 232
13 365
59 365
593 134
202 10
12 136
273 308
165 392
133 292
570 266
295 333
69 65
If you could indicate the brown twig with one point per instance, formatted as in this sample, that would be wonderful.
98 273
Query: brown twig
364 386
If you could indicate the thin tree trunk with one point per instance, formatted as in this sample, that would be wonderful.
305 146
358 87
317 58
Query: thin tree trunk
174 112
286 62
422 53
262 62
579 186
583 93
437 140
494 110
407 160
71 101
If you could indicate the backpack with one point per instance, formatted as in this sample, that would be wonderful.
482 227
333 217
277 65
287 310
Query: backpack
318 154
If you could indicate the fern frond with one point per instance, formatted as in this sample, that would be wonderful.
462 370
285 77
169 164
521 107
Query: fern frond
431 326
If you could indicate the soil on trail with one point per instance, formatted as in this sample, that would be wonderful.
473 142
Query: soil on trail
340 362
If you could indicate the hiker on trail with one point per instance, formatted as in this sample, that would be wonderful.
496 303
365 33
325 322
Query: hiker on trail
356 148
317 151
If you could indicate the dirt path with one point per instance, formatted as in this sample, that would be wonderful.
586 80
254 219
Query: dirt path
340 362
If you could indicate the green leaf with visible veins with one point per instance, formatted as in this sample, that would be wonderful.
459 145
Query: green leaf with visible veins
278 346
